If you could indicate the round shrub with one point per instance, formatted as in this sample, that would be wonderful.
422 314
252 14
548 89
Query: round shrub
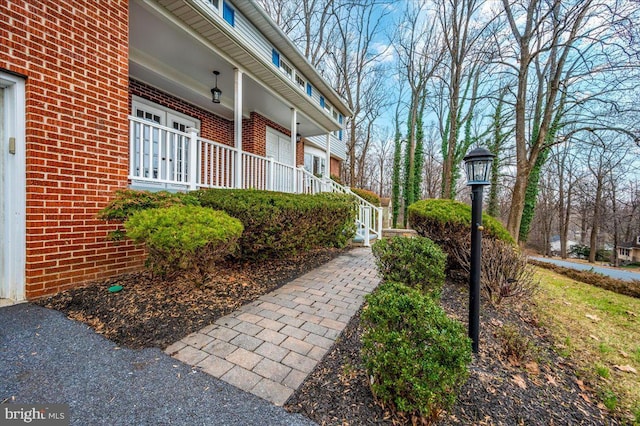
367 195
417 356
184 238
443 215
128 201
448 224
417 262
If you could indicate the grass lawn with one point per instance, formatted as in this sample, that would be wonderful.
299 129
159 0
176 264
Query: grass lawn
600 332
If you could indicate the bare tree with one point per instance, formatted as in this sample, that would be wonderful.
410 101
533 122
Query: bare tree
604 156
463 32
358 68
420 50
548 35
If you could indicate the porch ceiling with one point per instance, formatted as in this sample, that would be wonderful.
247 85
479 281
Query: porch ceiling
165 53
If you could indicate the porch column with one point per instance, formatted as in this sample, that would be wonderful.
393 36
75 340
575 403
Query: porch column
194 148
294 131
237 124
327 167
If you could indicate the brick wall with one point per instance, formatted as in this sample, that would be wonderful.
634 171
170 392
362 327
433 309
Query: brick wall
213 127
336 167
74 56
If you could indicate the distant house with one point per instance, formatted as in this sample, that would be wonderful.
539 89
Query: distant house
555 245
629 252
97 96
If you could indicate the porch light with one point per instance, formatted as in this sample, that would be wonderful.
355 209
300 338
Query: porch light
298 137
215 92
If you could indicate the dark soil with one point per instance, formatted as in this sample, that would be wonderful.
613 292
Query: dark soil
150 312
520 381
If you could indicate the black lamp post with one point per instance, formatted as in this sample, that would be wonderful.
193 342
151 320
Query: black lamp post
478 167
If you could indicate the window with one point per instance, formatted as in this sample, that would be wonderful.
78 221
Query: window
309 89
275 58
322 101
340 121
300 81
314 164
286 68
228 13
215 4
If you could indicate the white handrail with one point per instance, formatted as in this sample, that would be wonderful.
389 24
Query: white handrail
168 158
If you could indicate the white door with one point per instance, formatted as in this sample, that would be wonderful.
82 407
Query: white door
12 189
279 146
177 148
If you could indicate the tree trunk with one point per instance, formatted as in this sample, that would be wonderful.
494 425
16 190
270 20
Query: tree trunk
593 240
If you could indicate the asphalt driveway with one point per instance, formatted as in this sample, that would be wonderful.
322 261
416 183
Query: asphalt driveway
47 358
619 274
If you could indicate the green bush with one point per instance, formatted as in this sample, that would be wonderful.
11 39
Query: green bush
367 195
443 216
279 224
417 262
448 224
184 238
129 201
417 356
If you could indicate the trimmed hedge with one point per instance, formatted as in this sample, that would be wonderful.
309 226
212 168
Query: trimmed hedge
184 238
369 196
128 201
448 224
416 356
443 215
280 224
417 262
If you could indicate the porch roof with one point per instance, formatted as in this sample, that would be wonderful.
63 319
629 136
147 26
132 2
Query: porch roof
203 41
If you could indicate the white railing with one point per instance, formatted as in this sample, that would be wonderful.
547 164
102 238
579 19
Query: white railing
308 183
217 165
266 174
369 217
165 158
158 154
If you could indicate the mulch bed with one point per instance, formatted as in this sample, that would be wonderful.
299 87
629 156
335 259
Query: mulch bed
149 312
538 389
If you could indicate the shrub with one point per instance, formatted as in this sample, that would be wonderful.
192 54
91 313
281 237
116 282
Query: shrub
128 201
448 224
336 179
279 224
628 288
184 238
367 195
417 262
416 356
505 273
515 346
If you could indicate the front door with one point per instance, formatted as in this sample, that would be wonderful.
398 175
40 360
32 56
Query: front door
12 189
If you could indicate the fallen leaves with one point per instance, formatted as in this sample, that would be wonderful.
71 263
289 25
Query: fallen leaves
626 368
551 380
593 318
532 368
519 380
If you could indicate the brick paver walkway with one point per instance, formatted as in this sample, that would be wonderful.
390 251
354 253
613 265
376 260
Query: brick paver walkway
269 346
